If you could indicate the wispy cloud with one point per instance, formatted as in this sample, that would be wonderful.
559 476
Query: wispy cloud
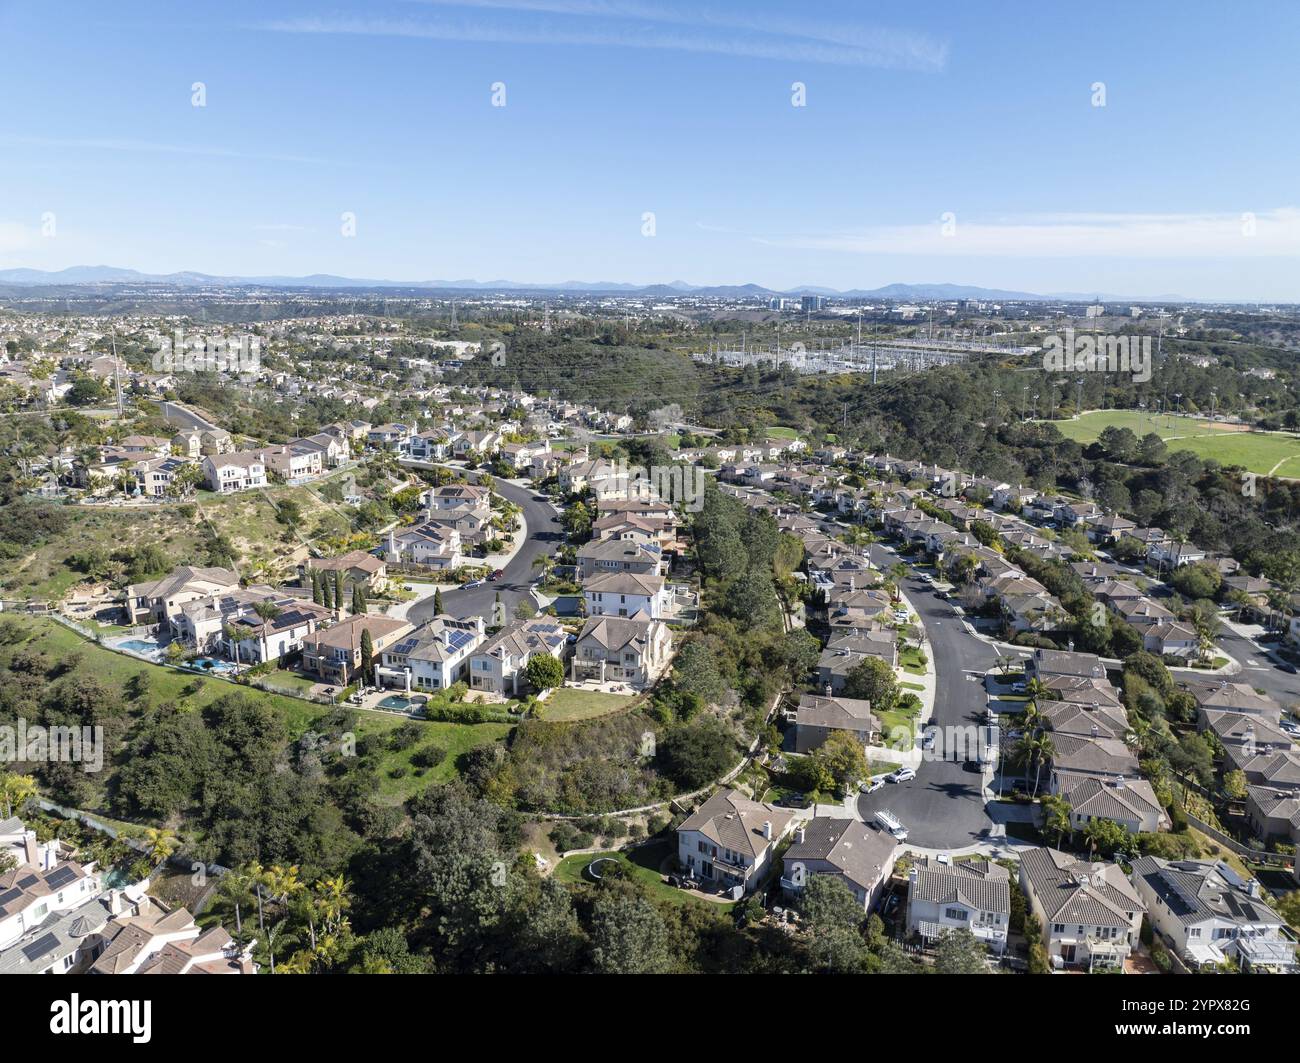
628 24
1262 234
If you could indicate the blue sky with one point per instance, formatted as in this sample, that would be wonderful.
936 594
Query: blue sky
1184 182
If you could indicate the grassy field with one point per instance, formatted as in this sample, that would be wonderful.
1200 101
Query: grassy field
169 684
1265 453
573 704
781 432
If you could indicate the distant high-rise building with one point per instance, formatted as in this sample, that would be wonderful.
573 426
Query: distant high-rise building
810 302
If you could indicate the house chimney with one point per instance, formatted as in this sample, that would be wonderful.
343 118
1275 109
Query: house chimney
31 851
799 836
767 828
829 690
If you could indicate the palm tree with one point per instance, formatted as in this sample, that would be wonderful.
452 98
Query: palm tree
282 886
266 611
1032 749
232 634
161 843
1056 816
236 886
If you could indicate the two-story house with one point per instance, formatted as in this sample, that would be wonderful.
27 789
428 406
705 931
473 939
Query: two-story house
945 895
1090 913
730 840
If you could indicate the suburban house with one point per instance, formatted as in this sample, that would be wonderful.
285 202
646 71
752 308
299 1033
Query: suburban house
432 544
1274 812
358 567
730 840
945 895
154 476
335 449
845 652
159 601
860 855
618 555
45 886
156 940
294 462
227 473
228 623
630 650
197 442
1090 912
627 594
498 665
334 654
433 656
1132 803
817 716
1209 914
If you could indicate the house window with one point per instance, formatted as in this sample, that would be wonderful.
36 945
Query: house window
1058 928
957 914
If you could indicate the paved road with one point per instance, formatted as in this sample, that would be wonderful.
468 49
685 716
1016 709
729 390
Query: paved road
545 535
1264 673
943 807
182 416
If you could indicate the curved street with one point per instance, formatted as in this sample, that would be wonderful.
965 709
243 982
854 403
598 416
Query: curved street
943 807
545 534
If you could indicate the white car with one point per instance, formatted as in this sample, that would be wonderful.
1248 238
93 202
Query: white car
925 577
901 775
870 786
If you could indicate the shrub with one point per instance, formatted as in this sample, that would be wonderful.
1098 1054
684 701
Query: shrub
428 757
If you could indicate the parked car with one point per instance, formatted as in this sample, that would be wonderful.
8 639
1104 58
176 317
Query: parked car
925 577
901 775
475 583
927 742
794 801
870 786
1290 669
497 575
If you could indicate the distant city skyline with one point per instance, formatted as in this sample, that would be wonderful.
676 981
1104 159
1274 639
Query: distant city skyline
646 142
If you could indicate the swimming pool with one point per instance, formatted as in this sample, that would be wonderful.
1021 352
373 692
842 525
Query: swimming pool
395 703
143 647
210 664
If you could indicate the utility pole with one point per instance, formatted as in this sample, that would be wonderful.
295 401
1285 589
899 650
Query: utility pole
1078 398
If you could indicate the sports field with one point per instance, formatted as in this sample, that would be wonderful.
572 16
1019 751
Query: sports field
1266 453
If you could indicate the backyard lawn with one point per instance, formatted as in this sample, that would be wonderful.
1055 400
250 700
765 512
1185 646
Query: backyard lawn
571 703
641 864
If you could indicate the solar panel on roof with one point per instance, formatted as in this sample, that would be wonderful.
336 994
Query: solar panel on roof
61 877
10 895
41 947
27 880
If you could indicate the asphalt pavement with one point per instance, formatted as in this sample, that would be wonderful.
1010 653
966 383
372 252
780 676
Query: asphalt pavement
545 535
943 807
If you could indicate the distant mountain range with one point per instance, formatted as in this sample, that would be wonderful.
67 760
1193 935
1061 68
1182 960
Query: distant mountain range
76 275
